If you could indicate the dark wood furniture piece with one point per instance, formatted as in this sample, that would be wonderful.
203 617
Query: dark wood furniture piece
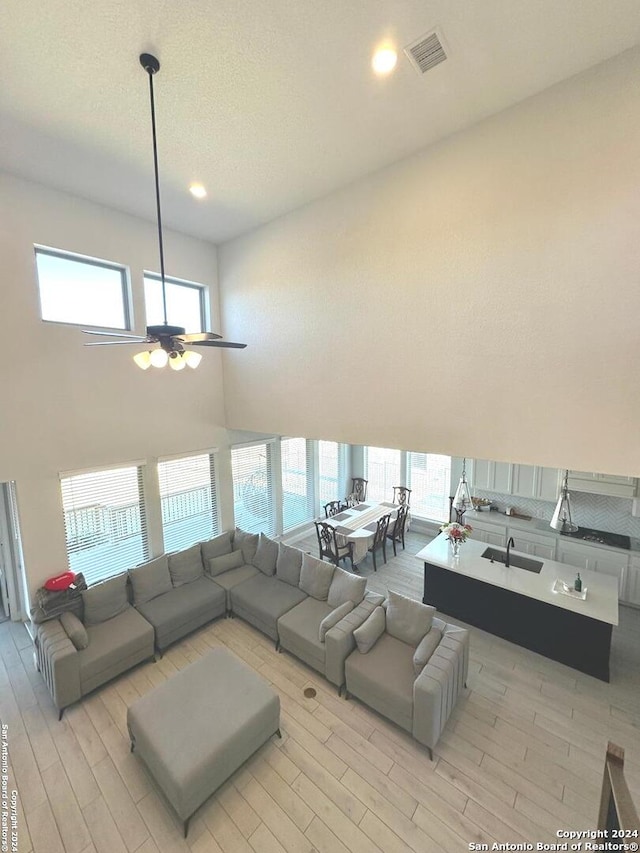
328 544
333 508
401 495
560 634
359 488
380 539
395 531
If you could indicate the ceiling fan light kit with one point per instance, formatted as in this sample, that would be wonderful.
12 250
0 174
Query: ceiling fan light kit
171 339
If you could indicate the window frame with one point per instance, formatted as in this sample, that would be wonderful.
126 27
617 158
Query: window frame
202 289
272 460
213 484
139 467
310 480
75 257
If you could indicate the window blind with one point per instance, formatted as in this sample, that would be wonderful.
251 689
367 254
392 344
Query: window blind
330 473
429 478
188 500
104 521
383 472
297 481
253 495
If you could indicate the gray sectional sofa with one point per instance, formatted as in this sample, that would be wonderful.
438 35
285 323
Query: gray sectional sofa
310 608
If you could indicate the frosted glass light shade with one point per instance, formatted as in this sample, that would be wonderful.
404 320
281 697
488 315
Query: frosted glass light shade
143 359
192 358
159 358
561 519
176 361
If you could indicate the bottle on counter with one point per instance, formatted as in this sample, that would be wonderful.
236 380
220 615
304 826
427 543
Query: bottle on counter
577 584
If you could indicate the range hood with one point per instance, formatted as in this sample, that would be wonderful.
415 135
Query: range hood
602 484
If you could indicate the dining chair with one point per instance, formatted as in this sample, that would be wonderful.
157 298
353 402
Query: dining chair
401 495
351 500
328 544
396 528
359 488
380 539
333 508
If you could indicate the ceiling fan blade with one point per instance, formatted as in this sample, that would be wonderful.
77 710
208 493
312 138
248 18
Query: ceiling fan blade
198 336
115 343
227 344
111 334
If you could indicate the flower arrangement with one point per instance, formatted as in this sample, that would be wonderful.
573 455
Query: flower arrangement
456 532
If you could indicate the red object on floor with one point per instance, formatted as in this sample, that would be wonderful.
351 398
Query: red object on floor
60 582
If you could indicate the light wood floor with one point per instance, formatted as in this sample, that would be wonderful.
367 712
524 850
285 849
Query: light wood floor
521 757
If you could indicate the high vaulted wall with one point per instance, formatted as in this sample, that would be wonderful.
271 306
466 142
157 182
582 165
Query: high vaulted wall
66 407
480 298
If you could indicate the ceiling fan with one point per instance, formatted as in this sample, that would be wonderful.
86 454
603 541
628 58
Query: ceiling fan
172 339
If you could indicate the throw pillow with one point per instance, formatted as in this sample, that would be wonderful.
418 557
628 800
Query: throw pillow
76 631
407 619
216 547
315 577
289 564
346 587
266 555
333 618
247 543
186 566
150 580
218 565
426 647
105 600
370 631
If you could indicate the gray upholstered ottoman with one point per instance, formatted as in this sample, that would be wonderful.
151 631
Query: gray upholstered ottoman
195 730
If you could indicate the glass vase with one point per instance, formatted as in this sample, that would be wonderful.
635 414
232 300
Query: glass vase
455 547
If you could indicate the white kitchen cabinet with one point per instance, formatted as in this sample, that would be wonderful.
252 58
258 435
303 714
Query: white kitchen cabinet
523 481
492 534
609 562
602 484
632 586
534 543
492 476
547 483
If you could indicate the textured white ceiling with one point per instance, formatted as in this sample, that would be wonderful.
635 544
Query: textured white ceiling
269 104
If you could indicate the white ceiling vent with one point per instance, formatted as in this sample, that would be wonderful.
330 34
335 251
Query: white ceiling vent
426 52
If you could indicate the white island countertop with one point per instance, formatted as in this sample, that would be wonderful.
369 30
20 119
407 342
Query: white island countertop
602 590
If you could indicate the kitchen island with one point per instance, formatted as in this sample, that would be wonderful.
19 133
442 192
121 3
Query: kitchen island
521 606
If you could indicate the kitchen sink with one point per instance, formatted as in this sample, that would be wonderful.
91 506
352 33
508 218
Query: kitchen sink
497 555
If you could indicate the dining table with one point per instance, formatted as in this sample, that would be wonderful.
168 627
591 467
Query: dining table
358 524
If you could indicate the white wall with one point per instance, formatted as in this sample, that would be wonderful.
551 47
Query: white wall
481 298
66 407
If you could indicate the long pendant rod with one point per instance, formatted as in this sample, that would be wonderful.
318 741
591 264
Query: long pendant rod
151 72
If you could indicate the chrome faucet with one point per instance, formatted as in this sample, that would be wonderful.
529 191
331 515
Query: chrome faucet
510 544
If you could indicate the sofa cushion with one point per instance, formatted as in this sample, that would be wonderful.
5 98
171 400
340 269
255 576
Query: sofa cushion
266 599
75 630
289 564
184 606
186 566
370 631
333 618
346 586
407 619
266 555
384 679
113 644
105 600
227 580
247 543
315 577
217 565
299 630
150 580
426 647
216 547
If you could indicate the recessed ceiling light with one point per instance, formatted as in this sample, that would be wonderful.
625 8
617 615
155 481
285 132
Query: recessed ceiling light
384 60
197 190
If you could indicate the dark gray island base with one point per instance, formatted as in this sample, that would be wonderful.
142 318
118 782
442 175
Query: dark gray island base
571 638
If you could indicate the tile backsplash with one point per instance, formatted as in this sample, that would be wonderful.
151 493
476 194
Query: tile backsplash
597 511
